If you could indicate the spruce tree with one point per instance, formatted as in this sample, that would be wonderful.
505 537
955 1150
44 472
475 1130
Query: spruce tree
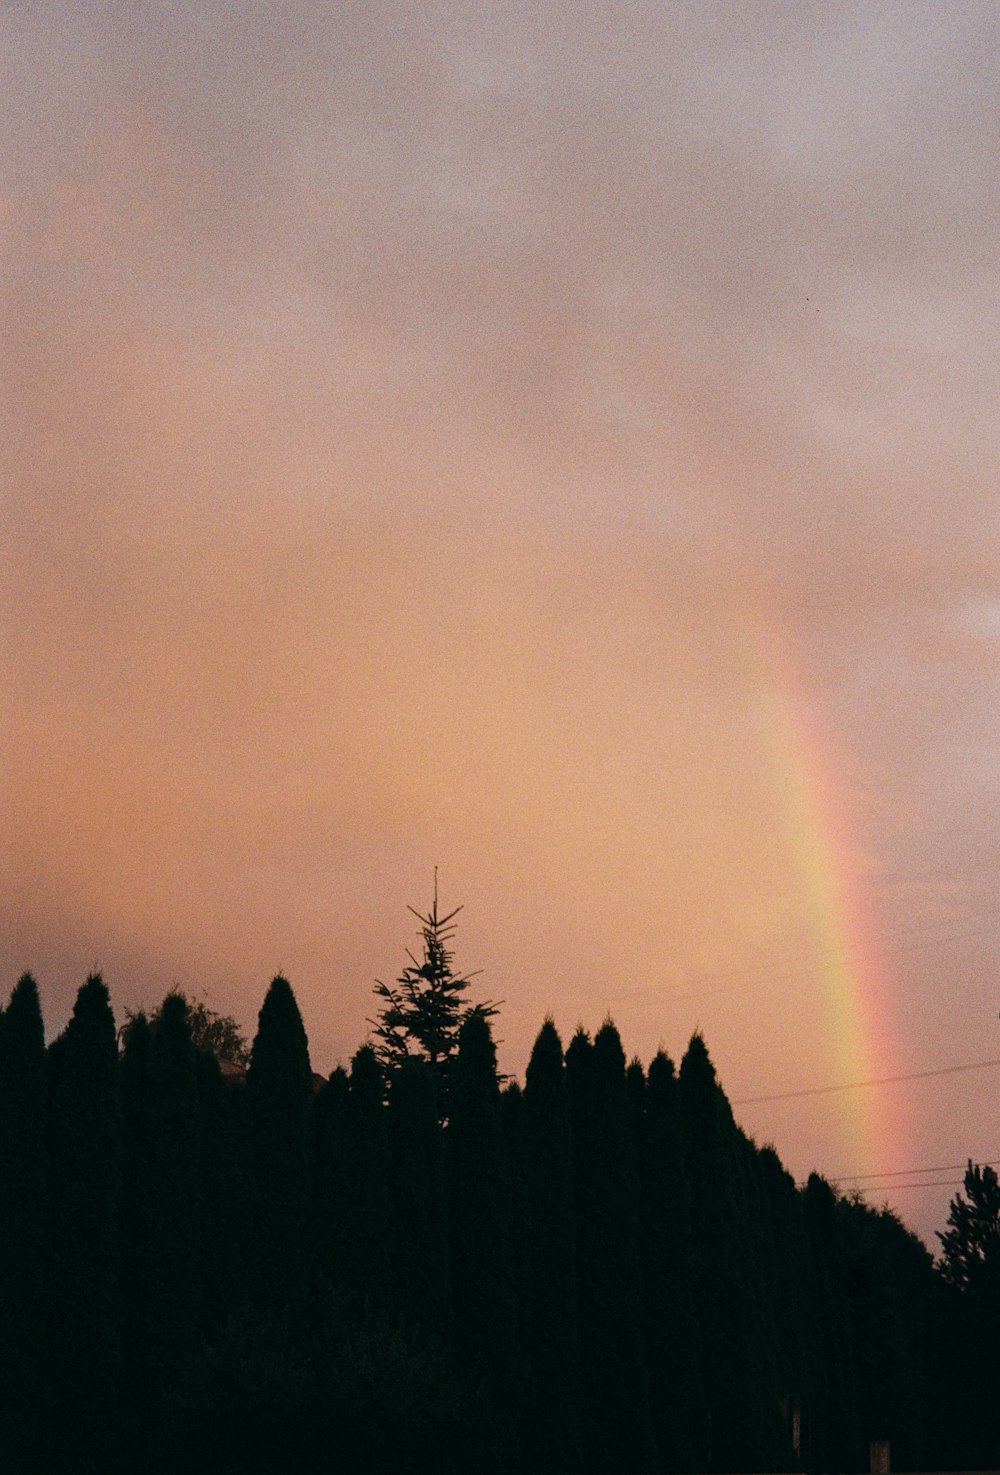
22 1219
424 1012
279 1086
84 1327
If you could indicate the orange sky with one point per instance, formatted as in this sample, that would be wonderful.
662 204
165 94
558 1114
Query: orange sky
560 447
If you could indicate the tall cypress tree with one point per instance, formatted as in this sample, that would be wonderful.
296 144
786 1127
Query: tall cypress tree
769 1388
550 1331
719 1215
228 1202
173 1285
673 1334
617 1427
138 1227
369 1210
479 1220
890 1282
279 1084
85 1167
331 1178
832 1424
793 1302
22 1218
162 1269
514 1129
421 1268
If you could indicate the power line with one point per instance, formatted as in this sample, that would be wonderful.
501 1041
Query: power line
915 1075
892 1187
910 1172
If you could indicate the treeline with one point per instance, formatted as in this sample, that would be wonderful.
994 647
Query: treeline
597 1273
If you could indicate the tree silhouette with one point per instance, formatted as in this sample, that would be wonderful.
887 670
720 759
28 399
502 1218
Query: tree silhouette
479 1213
279 1083
970 1269
421 1267
617 1427
673 1335
23 1267
216 1033
971 1246
84 1282
424 1013
550 1332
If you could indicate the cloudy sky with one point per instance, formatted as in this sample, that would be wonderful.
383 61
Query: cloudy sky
557 444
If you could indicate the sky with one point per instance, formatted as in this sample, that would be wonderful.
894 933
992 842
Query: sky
554 444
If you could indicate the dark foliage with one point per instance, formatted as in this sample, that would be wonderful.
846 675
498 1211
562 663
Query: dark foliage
217 1034
548 1300
279 1087
672 1331
970 1258
969 1315
616 1416
421 1261
367 1248
424 1012
84 1312
23 1269
479 1216
599 1273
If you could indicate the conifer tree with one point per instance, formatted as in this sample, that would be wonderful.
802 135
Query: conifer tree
617 1426
889 1279
368 1209
173 1283
720 1212
549 1299
768 1390
673 1334
22 1220
85 1167
331 1178
279 1085
138 1228
970 1258
424 1012
794 1305
227 1191
421 1268
480 1227
834 1436
969 1314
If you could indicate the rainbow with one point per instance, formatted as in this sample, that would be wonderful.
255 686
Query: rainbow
823 838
